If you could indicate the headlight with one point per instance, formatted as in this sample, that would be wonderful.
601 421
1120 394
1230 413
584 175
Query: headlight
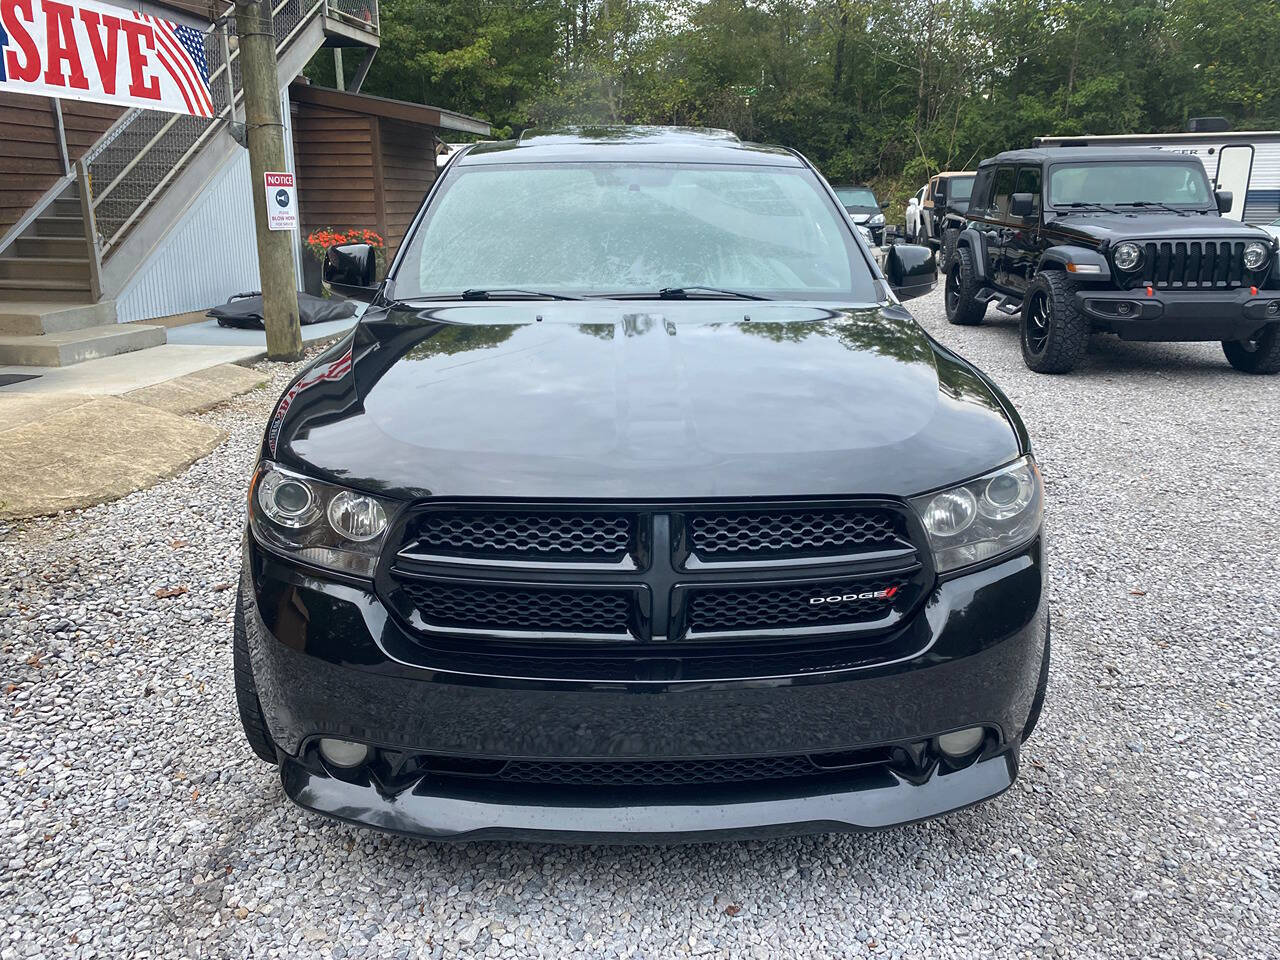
317 522
1127 256
877 220
985 517
1255 255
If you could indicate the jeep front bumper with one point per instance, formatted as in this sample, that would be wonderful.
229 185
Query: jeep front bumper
1173 315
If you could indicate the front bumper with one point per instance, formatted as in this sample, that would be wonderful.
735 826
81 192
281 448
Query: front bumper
328 660
1181 315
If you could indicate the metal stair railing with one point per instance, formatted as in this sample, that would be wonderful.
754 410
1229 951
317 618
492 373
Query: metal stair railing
133 163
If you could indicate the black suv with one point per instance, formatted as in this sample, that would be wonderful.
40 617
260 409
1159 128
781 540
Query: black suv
1125 241
859 201
636 504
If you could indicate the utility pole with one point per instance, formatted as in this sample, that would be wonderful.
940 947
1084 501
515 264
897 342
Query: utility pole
265 132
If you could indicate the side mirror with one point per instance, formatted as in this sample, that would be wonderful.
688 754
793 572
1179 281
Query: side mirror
1224 199
351 269
911 270
1022 205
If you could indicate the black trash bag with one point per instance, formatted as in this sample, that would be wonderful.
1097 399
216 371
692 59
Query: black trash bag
244 310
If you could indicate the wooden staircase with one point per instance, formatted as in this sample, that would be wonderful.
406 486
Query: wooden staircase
49 312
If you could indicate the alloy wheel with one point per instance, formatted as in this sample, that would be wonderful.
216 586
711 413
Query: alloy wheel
1037 322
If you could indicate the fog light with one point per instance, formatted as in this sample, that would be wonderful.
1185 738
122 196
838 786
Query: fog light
344 753
961 743
1124 308
1273 308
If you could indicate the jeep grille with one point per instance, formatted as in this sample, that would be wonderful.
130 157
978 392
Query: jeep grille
1194 264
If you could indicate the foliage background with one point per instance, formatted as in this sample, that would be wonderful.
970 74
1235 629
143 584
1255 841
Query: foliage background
885 91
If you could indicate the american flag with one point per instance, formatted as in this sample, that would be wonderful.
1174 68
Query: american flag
180 51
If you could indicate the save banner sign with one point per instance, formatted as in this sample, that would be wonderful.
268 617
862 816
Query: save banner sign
86 50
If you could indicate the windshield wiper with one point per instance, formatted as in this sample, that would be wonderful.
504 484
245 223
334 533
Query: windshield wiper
505 293
1085 204
682 293
1153 203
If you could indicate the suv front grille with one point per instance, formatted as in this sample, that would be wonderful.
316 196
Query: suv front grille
738 585
1193 263
498 607
764 608
524 535
717 536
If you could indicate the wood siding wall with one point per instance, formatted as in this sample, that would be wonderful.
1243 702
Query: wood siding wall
356 170
333 152
30 158
408 171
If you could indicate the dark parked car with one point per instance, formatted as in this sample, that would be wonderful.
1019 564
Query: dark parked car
946 198
1130 241
864 209
637 505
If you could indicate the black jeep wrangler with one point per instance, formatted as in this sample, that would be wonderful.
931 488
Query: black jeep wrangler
1126 241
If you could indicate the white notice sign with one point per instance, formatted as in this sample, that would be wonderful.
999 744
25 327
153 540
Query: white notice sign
282 201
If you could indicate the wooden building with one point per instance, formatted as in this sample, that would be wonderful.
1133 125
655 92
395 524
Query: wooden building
365 161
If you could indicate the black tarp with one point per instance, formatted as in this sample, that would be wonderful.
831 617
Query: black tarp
244 310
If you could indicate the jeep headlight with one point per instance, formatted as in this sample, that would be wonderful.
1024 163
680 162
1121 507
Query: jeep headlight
1127 256
316 522
983 518
877 220
1255 255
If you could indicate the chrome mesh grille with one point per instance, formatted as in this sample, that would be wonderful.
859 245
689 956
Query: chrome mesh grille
732 535
487 606
568 536
764 607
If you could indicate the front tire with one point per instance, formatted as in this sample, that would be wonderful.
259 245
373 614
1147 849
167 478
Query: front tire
251 720
1260 355
947 248
963 307
1055 334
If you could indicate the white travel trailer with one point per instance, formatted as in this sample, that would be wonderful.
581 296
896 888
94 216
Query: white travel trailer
1246 162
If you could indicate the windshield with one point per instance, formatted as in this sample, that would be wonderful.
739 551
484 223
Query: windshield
857 197
620 229
1176 184
959 188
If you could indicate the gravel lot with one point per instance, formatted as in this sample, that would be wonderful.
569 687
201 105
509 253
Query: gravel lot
135 823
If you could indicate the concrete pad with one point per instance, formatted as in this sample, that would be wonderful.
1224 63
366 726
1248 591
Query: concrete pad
19 408
209 333
199 391
92 452
112 376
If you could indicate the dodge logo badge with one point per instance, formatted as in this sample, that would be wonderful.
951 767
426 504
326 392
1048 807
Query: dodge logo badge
870 595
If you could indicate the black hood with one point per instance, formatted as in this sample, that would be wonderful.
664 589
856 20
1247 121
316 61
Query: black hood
643 400
1093 229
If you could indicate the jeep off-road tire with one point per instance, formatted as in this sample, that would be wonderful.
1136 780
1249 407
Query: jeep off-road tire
947 248
1055 334
960 294
1259 355
255 727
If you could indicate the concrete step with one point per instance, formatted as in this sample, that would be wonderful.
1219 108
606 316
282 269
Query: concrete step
60 290
28 318
59 227
75 346
40 269
50 247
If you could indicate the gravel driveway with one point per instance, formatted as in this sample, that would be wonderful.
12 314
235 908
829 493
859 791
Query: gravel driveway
135 823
